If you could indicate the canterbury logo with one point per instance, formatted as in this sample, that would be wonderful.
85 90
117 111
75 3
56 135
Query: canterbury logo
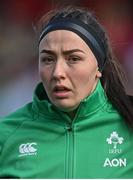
28 149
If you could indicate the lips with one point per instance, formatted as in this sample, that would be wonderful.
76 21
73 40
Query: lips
60 88
61 91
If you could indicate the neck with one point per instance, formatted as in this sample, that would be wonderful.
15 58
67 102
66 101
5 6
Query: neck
72 113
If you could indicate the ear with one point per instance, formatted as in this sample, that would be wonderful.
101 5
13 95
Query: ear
98 74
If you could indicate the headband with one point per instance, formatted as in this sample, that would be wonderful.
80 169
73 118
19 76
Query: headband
85 31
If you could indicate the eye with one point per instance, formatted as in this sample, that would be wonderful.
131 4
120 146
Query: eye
47 60
73 59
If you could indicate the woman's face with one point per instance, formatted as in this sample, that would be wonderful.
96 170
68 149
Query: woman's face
68 69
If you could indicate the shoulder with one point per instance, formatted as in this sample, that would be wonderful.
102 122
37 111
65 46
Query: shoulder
19 114
10 123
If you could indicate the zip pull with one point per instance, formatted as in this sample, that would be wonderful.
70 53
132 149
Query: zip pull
69 127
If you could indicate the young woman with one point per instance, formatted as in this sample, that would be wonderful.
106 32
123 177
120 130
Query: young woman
79 124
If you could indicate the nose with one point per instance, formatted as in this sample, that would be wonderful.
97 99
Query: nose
59 71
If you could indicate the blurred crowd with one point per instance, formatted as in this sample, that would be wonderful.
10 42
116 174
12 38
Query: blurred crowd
18 43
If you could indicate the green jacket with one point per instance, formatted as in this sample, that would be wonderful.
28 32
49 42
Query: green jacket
40 141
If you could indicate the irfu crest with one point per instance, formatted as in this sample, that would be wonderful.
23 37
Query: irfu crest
115 139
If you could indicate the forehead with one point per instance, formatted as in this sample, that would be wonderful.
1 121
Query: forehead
62 38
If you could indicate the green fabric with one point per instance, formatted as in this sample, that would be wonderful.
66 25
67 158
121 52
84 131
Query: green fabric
40 141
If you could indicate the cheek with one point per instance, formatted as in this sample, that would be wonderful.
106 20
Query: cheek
87 74
86 84
41 73
44 75
85 81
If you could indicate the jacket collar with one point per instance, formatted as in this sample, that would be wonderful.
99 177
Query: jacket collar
90 105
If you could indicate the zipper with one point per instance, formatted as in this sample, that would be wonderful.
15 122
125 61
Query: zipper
70 151
70 160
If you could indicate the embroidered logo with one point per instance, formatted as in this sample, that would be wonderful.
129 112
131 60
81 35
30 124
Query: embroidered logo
115 139
28 149
115 162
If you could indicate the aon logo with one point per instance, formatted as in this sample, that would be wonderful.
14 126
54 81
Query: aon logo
115 162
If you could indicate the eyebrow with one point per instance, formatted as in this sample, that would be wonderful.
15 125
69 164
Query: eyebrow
64 52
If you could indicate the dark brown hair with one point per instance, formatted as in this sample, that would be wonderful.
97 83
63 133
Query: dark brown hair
112 74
